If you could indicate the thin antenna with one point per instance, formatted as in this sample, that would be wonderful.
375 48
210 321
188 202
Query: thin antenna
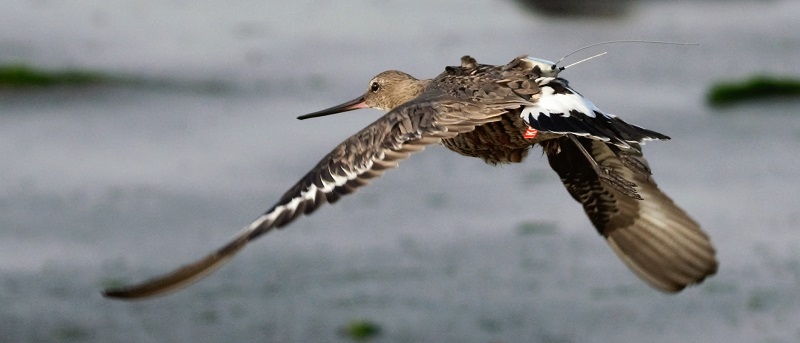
619 41
583 60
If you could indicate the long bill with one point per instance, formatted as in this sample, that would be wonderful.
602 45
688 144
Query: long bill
354 104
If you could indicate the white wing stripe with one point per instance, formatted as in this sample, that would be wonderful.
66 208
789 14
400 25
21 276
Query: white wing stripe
309 194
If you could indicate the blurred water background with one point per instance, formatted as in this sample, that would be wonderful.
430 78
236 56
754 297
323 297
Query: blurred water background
119 182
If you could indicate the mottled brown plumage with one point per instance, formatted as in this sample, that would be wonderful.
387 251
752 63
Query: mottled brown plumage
496 113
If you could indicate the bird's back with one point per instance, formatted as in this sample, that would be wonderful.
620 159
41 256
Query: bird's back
491 88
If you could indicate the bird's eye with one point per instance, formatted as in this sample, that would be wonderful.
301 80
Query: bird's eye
374 87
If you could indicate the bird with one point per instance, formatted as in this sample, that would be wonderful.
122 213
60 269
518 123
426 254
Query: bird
496 113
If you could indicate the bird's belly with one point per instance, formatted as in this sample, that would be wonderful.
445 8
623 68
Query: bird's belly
502 141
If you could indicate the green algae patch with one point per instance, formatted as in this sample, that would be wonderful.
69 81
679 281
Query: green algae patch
360 330
23 76
757 87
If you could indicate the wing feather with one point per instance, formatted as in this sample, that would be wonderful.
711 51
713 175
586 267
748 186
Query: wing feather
653 237
363 156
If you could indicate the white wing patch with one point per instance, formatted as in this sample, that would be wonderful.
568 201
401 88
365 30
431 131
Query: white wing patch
562 110
561 104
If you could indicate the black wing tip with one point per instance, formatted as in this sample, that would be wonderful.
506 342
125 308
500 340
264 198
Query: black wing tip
120 293
112 293
139 291
178 278
650 134
145 290
136 292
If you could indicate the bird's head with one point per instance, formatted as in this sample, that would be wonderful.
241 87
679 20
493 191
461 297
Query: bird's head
385 91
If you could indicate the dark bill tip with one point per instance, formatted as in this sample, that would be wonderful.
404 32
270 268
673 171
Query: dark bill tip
354 104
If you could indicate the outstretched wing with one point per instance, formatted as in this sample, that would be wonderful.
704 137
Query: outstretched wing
562 110
655 238
363 156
